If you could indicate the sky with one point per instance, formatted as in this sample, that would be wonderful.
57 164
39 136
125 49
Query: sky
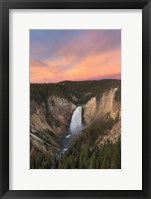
77 55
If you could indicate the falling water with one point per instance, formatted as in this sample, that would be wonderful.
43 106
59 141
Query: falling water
75 127
76 120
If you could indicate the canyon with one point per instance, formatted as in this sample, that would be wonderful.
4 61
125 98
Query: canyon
67 113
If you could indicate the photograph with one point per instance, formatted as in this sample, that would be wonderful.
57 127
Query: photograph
75 98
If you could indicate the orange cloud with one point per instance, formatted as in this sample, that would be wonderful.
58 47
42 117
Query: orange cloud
72 68
57 55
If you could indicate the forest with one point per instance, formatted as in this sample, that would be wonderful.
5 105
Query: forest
79 89
85 152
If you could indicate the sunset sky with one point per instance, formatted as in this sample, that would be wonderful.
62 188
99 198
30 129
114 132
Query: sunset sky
57 55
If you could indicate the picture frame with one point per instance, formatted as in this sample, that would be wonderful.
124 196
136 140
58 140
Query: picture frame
4 100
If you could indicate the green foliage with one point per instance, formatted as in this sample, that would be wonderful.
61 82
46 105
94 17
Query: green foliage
106 157
40 92
86 154
78 92
39 160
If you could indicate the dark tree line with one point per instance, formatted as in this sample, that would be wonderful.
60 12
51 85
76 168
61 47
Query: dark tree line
81 90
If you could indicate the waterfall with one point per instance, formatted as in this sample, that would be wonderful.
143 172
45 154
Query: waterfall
75 127
76 120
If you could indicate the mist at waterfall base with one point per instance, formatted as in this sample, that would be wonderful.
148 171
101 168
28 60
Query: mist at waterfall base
75 128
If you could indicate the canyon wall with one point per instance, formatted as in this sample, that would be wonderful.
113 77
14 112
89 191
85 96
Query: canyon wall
53 116
50 119
105 106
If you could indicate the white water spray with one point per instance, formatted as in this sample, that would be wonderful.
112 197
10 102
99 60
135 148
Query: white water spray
76 120
75 127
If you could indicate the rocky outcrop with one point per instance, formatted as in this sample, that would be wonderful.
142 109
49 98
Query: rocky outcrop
97 108
38 118
60 110
49 120
52 116
112 136
90 111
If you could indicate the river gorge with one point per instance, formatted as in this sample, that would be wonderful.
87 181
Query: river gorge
70 122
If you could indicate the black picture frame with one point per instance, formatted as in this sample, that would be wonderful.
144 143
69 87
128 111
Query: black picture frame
5 5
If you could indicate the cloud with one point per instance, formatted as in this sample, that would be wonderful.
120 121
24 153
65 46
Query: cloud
82 55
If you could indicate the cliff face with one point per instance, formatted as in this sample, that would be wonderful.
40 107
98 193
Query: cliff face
48 122
97 108
38 117
52 116
105 106
60 110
